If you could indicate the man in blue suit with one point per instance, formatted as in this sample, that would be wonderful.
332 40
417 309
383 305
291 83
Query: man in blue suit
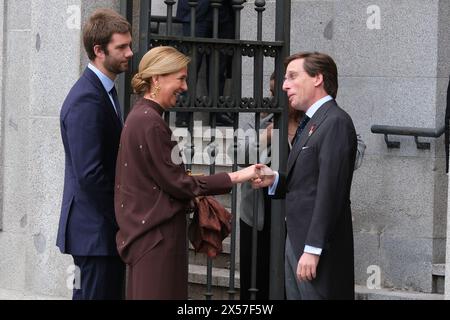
91 123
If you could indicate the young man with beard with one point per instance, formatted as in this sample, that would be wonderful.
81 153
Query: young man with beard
91 124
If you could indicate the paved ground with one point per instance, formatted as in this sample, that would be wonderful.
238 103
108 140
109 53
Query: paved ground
16 295
361 293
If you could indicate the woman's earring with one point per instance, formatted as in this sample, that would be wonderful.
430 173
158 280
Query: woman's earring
155 91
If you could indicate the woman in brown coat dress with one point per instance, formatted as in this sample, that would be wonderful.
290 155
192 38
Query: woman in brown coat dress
153 191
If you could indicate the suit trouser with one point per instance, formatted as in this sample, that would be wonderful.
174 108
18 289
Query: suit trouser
295 289
101 278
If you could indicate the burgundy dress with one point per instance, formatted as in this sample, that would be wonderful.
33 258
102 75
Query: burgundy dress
152 196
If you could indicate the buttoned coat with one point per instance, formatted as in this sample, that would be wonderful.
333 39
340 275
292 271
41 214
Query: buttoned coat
317 192
153 196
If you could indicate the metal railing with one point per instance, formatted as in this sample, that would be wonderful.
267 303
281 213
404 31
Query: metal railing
415 132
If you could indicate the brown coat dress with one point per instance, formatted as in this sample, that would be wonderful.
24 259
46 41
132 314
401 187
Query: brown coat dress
152 196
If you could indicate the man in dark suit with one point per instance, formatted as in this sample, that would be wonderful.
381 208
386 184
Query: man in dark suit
319 243
91 123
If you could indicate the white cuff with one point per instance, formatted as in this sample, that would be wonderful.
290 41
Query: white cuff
273 187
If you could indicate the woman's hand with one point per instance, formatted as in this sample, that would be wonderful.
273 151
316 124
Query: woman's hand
246 174
256 172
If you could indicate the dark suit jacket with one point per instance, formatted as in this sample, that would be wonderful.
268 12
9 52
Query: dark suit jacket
317 191
90 131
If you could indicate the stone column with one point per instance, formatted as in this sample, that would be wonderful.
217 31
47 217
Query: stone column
447 253
43 49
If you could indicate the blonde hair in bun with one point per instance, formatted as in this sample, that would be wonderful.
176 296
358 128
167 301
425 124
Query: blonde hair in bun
157 61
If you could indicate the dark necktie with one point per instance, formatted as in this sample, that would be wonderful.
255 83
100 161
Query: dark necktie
113 93
300 128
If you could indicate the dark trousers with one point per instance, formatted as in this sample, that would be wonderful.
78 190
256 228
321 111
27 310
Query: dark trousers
295 289
262 257
101 278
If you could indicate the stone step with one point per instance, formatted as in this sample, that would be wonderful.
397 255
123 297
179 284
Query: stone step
438 273
204 133
219 282
363 293
220 261
6 294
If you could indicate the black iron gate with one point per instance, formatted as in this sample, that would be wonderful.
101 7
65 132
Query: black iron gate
234 103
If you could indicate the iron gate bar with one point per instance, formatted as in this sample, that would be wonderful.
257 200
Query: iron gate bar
124 80
258 70
235 103
278 231
237 89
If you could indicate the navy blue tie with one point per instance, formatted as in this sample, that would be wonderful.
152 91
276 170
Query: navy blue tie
300 128
113 93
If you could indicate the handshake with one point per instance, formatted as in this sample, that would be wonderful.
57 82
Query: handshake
259 175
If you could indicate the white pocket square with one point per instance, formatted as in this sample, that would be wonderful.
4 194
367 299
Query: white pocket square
303 148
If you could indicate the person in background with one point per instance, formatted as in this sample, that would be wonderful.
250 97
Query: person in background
91 123
263 203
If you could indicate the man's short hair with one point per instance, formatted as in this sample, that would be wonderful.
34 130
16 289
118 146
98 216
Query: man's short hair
99 29
319 63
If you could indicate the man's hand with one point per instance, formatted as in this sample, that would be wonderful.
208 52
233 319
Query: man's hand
266 177
307 266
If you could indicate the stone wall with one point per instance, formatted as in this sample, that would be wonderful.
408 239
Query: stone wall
44 57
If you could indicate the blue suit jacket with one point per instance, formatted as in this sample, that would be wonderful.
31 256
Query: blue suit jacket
90 131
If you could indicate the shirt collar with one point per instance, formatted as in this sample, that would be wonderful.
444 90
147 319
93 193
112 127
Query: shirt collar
107 83
312 110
